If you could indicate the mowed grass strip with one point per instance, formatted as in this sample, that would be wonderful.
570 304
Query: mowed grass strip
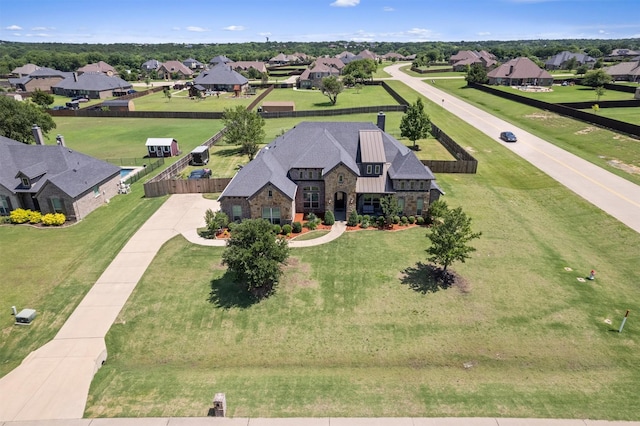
308 99
180 101
617 153
565 94
347 335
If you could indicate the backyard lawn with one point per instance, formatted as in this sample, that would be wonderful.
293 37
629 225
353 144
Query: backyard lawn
354 329
617 153
560 94
180 101
306 99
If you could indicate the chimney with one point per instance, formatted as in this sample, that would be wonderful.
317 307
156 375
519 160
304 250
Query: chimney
60 140
510 69
381 120
75 76
37 134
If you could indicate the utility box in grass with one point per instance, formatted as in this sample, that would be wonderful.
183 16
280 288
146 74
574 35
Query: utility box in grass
25 316
219 406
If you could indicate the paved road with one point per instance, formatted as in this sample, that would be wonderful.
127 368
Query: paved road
615 195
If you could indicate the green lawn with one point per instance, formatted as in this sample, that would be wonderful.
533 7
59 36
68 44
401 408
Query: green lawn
629 115
569 94
346 334
614 152
50 270
180 101
307 99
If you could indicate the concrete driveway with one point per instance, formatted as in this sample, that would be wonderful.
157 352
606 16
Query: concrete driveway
615 195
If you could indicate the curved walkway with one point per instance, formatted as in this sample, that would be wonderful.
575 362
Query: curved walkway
613 194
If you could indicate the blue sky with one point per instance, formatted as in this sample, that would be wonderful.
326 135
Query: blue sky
230 21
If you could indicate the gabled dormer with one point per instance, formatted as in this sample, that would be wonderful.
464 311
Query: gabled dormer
371 156
30 175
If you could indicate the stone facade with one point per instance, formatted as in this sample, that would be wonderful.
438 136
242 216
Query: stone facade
271 197
228 203
340 179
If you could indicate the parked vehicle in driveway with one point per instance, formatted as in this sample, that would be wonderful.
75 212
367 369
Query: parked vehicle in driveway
200 174
508 137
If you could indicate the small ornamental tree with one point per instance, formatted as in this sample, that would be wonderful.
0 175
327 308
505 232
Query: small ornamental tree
477 74
415 123
245 128
352 220
390 209
256 256
331 87
450 239
329 218
596 78
41 98
215 221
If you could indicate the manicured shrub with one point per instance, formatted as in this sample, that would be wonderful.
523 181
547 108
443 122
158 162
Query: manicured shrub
35 217
286 229
296 227
366 217
359 218
364 224
353 218
420 220
380 221
231 225
412 220
329 218
277 229
311 225
53 219
311 217
19 216
396 220
404 220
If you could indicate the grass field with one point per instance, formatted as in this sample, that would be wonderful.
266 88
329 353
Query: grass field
354 330
180 101
629 115
569 94
614 152
349 98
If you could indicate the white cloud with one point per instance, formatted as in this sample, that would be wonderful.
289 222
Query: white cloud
13 28
44 35
41 29
234 28
345 3
484 33
420 33
388 9
197 29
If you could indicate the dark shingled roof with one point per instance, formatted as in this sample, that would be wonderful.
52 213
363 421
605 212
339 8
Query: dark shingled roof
322 145
72 172
93 81
220 74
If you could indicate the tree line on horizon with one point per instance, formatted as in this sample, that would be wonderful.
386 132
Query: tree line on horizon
130 56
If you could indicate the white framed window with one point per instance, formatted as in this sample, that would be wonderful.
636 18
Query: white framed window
152 149
236 213
5 205
167 148
340 178
420 204
422 184
96 191
377 169
272 214
57 205
311 197
25 181
401 204
401 184
369 169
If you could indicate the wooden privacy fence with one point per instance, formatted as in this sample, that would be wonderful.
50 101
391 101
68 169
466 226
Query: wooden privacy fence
464 162
184 186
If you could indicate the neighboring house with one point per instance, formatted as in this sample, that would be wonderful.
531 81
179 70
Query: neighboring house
92 85
391 56
222 78
151 65
98 67
366 54
312 77
559 61
329 166
53 179
280 59
24 70
520 72
42 78
345 55
247 65
220 59
465 58
621 54
625 71
193 64
171 69
162 147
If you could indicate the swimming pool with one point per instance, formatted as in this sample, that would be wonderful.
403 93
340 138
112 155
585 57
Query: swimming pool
124 171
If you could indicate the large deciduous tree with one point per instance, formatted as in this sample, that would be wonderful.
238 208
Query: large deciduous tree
256 256
331 87
245 128
450 238
596 78
17 118
477 74
41 98
415 123
360 69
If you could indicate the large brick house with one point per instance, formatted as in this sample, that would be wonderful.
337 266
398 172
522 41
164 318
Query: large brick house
93 85
53 179
321 166
520 72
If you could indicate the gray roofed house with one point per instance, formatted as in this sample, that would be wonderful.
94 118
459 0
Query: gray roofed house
193 64
222 78
24 70
92 84
42 78
220 59
321 166
100 66
560 60
151 65
625 71
53 179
